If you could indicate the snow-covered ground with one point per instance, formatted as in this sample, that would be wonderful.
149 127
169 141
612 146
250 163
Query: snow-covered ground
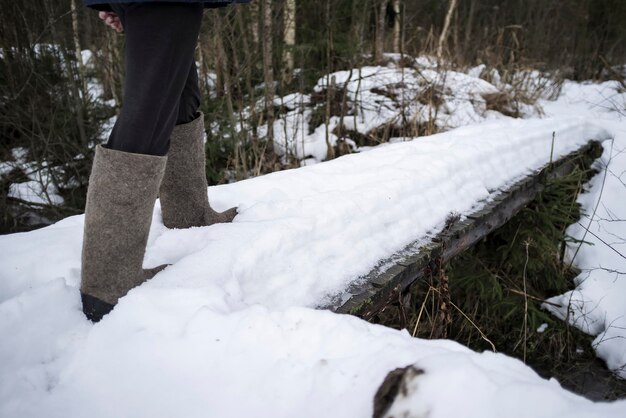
229 329
40 187
598 305
414 94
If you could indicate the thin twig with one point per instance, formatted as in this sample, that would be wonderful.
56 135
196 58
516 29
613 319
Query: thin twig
519 292
482 334
526 244
419 315
595 209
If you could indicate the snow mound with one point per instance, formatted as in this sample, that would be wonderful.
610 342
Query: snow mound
488 385
142 361
390 97
227 329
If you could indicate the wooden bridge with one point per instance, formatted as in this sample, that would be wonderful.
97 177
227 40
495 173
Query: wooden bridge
420 259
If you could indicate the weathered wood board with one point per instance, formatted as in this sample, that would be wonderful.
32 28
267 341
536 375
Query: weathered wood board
371 293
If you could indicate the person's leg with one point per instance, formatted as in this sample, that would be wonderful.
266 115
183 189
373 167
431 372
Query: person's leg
159 50
190 99
184 200
123 187
126 175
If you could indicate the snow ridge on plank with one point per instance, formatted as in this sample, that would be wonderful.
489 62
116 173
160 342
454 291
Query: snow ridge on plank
381 286
303 236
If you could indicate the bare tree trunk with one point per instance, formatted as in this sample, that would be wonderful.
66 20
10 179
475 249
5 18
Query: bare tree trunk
247 58
455 33
77 49
446 28
379 44
268 70
248 64
201 69
224 69
330 82
88 32
254 17
397 27
235 72
468 28
218 65
356 29
78 102
113 63
289 37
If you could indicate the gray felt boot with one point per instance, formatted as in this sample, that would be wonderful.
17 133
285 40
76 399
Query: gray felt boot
122 190
184 200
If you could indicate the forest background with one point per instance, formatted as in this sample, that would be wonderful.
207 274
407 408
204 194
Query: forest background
61 74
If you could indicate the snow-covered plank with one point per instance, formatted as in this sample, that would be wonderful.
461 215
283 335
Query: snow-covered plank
394 274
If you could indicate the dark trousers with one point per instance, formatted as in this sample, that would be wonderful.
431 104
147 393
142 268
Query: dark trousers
161 80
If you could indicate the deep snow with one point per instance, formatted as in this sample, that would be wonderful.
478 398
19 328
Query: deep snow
228 330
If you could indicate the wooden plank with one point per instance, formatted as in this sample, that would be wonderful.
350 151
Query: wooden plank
372 292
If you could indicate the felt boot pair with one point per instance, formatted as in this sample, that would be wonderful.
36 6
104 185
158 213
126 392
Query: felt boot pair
122 191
